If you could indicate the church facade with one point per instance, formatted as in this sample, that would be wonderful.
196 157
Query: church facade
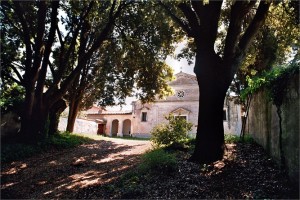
140 120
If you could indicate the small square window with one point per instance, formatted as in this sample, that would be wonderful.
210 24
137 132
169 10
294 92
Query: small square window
144 116
181 117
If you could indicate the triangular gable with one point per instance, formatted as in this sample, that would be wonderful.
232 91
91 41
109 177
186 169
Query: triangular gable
184 78
181 111
143 108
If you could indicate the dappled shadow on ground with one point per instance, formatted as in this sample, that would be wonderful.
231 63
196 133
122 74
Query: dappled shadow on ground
245 172
60 174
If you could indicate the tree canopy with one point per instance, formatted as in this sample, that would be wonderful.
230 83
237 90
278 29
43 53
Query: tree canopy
116 45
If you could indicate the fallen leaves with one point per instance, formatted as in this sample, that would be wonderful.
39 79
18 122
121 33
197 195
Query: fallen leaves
94 171
246 172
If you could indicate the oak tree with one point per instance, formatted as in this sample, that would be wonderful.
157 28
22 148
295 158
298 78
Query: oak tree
201 20
130 62
35 26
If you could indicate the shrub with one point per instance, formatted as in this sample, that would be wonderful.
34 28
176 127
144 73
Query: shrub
158 162
229 138
11 98
174 132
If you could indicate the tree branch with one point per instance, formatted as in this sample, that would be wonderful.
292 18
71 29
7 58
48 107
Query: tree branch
19 65
50 41
51 68
238 11
209 15
26 34
13 79
181 23
105 32
64 58
254 26
17 73
192 18
39 46
62 43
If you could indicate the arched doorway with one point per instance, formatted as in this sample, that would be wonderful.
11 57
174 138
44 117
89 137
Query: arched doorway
114 127
126 127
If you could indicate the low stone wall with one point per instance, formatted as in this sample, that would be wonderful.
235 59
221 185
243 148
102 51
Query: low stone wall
81 126
263 125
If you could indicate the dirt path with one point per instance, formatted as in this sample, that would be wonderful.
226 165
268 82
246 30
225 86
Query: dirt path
61 173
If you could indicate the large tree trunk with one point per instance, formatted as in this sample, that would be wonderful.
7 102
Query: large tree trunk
54 115
73 111
213 82
35 127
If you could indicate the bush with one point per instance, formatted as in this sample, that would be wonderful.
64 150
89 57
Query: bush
174 132
158 162
11 98
229 138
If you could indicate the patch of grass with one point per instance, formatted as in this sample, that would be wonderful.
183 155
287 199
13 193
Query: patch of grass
158 161
247 139
234 139
130 138
18 151
229 138
12 152
67 140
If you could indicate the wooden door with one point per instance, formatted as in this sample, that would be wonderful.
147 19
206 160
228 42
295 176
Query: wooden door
100 129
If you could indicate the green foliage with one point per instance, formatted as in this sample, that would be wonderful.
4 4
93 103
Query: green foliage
174 132
17 151
66 140
129 185
158 161
276 43
154 163
12 152
275 81
130 138
231 138
11 98
234 139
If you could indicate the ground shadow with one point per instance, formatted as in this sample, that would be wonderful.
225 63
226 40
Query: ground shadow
60 174
246 172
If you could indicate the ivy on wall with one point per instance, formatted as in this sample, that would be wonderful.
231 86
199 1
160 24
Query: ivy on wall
274 81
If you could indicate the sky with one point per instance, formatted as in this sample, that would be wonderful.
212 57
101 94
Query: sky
178 66
181 65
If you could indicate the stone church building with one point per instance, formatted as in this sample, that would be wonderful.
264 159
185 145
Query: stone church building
139 121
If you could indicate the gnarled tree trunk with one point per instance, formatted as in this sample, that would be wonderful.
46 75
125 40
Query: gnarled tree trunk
213 82
73 111
54 115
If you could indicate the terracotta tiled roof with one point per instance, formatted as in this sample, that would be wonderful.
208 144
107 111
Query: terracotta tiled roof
116 112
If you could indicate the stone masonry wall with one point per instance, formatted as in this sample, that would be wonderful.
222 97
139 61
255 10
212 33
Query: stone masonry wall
263 126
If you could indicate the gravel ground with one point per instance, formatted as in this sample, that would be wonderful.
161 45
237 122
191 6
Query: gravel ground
60 174
93 171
